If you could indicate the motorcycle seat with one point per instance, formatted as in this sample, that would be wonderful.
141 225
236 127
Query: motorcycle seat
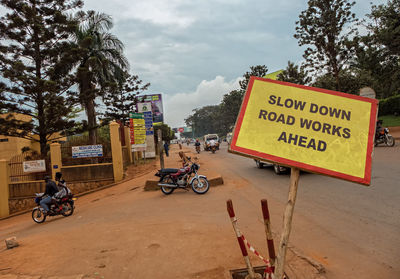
169 170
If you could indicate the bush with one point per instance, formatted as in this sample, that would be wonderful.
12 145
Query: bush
390 106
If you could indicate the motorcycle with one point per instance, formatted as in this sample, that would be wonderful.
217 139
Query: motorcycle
383 136
171 179
198 149
213 148
64 206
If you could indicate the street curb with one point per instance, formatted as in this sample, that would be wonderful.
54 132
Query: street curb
151 185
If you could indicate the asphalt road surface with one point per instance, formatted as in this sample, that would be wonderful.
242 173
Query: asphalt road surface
351 229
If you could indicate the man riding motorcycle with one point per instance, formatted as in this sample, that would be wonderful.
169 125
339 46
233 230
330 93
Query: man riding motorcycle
51 190
197 145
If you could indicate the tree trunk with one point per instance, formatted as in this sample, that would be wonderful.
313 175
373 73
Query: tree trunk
91 114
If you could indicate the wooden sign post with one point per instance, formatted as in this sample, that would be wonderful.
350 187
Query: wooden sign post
305 128
287 222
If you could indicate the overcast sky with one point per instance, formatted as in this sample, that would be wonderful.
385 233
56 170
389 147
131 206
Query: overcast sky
195 51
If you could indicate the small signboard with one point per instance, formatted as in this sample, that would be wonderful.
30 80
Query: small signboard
34 166
317 130
148 122
86 151
138 130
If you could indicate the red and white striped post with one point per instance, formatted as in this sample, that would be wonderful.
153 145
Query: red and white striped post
268 231
231 213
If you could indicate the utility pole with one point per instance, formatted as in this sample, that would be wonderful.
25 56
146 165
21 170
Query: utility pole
160 147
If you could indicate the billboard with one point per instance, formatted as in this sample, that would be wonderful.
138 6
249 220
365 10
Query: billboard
314 129
155 101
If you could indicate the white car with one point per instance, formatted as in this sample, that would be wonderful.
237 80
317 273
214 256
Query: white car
277 168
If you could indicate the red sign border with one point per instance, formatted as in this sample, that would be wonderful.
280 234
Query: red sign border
244 151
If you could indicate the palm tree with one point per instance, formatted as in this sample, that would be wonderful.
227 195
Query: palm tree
101 63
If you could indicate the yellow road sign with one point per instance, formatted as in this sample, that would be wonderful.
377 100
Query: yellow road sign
314 129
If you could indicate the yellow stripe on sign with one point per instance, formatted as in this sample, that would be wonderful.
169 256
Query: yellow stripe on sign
273 75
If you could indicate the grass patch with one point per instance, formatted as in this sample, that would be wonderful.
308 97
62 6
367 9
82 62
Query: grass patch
390 120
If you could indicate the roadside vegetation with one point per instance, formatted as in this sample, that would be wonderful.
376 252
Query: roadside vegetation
55 61
337 57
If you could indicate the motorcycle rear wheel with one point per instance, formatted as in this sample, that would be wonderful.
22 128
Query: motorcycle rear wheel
167 190
68 209
38 216
200 185
389 140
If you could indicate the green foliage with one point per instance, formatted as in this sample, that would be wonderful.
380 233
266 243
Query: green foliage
257 71
377 56
294 74
390 120
384 25
325 28
167 133
390 106
35 55
121 100
102 63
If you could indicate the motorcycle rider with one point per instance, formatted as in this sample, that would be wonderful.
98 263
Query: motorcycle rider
62 186
51 189
213 143
197 144
378 128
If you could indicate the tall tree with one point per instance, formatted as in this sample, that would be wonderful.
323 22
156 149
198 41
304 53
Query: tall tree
121 100
385 25
378 53
294 74
325 27
101 64
35 55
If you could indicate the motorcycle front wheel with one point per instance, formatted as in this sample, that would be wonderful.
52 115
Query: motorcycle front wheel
200 185
68 209
389 140
38 216
167 190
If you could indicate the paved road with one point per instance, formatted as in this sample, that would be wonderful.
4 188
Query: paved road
352 229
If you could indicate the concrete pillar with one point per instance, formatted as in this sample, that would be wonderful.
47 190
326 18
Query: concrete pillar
55 158
116 150
4 191
128 143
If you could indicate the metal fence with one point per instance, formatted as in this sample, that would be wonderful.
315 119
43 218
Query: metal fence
17 172
103 138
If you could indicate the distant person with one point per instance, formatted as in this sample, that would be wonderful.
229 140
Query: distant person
166 148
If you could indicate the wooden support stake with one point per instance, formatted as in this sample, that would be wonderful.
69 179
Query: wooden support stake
287 223
268 232
160 148
231 213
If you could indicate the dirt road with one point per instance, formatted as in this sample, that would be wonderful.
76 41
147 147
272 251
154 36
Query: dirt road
123 232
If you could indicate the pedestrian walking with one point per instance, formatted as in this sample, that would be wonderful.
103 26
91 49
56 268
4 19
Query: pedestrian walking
166 148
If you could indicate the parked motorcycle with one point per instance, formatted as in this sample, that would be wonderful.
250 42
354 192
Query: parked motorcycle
171 179
382 136
64 206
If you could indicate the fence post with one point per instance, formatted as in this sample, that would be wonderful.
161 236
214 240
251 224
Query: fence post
128 143
116 150
4 191
55 159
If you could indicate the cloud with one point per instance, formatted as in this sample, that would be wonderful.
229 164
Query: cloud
179 106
